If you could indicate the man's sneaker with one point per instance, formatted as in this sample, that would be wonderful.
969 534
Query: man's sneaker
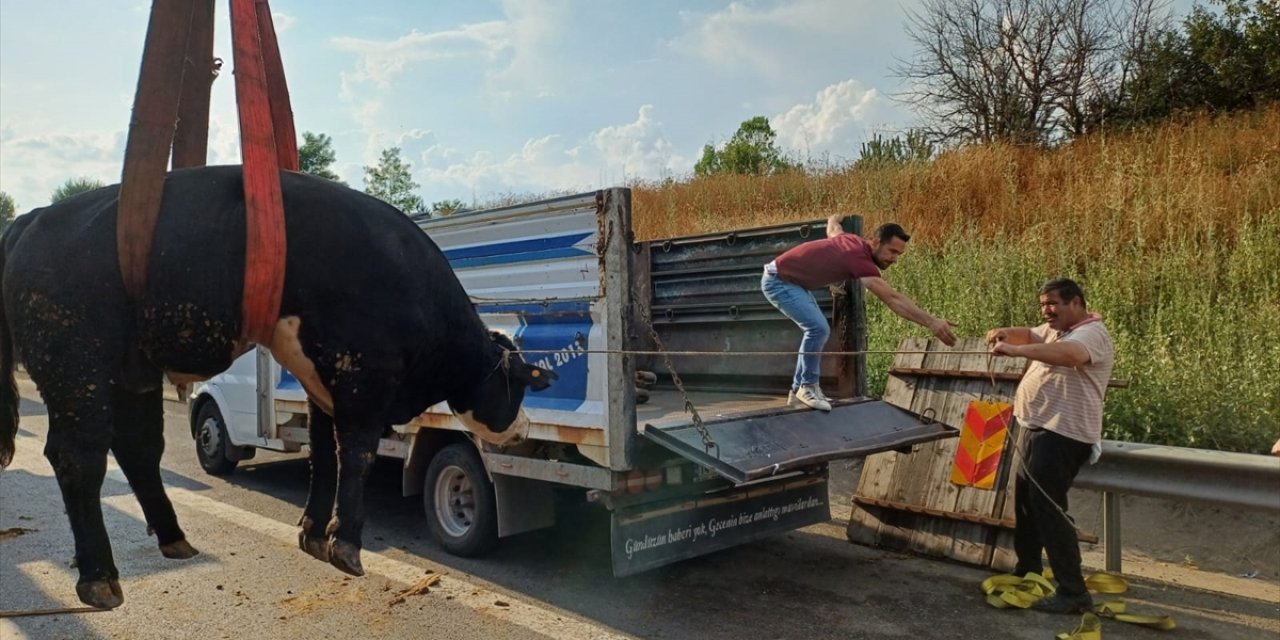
793 401
810 396
1059 603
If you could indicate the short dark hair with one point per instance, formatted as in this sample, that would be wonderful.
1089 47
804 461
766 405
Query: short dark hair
1066 288
889 231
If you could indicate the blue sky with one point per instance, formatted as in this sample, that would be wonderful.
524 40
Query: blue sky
485 97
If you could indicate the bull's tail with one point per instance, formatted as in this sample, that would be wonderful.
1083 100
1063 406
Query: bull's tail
8 387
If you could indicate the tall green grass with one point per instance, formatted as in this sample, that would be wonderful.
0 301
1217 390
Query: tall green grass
1174 233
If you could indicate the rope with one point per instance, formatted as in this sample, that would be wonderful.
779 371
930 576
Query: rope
1010 591
637 352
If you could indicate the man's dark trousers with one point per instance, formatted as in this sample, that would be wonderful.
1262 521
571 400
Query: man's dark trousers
1053 461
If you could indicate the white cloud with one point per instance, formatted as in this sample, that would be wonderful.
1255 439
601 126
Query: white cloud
34 164
282 21
744 36
381 61
637 149
540 164
37 158
535 28
611 155
838 115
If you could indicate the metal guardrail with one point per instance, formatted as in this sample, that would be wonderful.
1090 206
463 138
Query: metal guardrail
1217 478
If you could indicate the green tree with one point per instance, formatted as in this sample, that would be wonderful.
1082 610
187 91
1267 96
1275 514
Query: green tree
75 186
8 210
1219 62
447 207
392 182
316 156
895 152
752 150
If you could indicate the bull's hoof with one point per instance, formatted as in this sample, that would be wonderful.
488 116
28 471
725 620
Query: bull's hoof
179 550
317 548
103 594
346 557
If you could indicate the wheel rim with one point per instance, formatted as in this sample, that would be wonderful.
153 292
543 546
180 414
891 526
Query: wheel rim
455 501
210 438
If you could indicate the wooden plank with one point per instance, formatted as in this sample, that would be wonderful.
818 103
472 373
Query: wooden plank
972 544
932 536
865 524
1002 556
910 483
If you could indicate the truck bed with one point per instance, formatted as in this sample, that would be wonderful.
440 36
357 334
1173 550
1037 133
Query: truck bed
667 405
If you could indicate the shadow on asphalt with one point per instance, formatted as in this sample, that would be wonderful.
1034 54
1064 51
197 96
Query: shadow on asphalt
811 583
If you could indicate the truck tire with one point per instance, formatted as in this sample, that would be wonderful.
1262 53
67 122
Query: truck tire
212 443
459 502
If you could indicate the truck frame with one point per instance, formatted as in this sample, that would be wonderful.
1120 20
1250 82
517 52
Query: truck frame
670 409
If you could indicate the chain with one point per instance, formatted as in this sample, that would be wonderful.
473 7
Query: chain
708 443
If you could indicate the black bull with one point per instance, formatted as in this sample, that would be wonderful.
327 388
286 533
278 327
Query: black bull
373 321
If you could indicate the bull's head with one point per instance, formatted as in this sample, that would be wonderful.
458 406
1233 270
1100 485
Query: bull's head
491 409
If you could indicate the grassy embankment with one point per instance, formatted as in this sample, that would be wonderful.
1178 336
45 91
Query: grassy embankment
1174 233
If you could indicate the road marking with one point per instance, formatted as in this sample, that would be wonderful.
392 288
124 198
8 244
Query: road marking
547 621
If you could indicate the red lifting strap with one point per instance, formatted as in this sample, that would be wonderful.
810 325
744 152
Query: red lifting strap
264 155
171 109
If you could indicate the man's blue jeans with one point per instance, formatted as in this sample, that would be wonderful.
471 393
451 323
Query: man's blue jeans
797 303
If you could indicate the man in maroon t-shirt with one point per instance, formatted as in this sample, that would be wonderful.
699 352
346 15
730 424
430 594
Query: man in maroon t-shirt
838 257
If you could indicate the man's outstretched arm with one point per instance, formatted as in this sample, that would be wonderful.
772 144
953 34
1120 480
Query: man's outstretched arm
1013 335
834 228
907 308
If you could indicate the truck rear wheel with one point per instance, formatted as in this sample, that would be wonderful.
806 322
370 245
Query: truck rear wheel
459 502
211 441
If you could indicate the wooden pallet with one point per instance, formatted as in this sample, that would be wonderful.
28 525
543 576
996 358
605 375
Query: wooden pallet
928 514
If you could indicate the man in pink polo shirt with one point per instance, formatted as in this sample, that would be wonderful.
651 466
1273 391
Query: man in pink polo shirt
1059 403
840 256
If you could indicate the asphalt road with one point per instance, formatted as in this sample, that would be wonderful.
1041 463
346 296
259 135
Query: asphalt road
251 581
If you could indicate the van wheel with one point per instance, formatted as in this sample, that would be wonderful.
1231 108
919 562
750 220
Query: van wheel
212 444
459 501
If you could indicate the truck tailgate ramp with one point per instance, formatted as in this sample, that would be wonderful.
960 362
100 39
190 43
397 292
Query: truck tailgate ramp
759 444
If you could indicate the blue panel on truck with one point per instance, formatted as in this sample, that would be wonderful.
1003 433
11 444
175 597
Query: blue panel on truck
530 250
288 381
553 336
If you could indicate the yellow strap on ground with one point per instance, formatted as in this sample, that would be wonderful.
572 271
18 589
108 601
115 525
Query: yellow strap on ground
1007 591
1106 583
1115 610
1090 628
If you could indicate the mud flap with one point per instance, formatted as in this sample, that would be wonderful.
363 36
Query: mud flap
656 534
